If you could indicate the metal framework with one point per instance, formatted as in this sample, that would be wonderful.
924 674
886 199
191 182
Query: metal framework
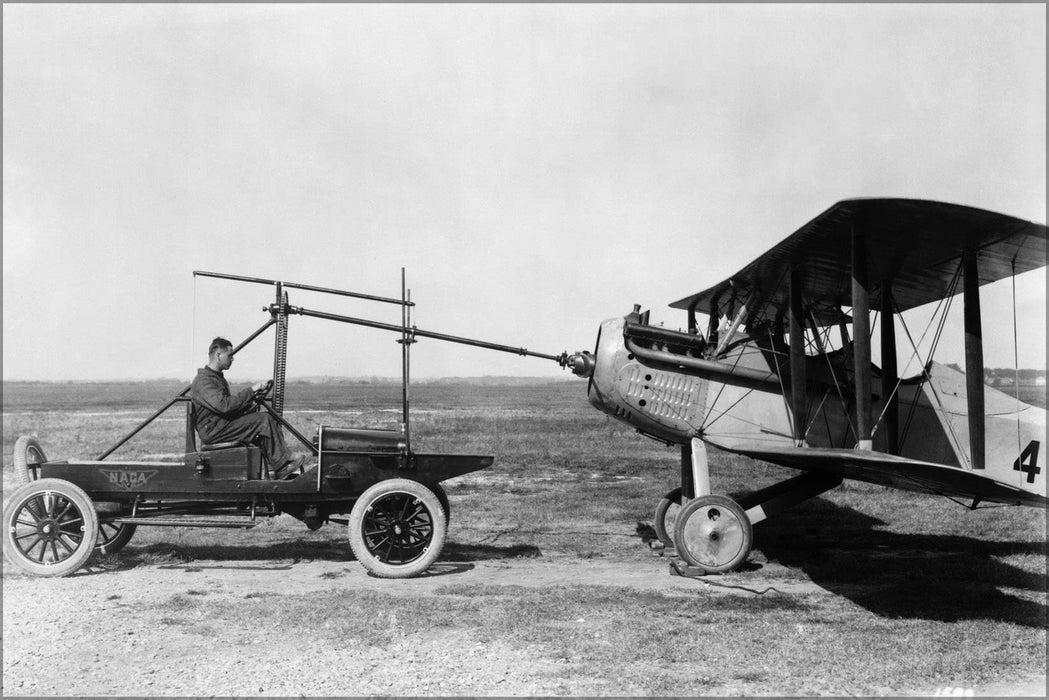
279 312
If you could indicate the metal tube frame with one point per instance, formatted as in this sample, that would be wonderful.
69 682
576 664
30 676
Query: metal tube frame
861 340
973 360
280 311
180 397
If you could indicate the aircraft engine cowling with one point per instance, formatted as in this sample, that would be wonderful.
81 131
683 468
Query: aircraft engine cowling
665 405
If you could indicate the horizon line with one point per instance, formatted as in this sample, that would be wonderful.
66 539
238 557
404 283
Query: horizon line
304 378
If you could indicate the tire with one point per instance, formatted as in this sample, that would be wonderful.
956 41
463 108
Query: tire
442 496
27 452
397 528
714 534
113 537
667 511
50 528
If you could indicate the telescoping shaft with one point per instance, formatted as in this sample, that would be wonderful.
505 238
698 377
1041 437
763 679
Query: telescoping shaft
307 287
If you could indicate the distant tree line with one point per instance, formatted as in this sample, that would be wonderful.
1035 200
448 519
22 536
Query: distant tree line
1007 376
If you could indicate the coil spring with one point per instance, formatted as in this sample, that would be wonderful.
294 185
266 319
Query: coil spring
280 356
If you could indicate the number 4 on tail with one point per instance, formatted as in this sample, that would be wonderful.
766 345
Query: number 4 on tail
1028 461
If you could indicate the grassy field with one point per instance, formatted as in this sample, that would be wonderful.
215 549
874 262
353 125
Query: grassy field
923 593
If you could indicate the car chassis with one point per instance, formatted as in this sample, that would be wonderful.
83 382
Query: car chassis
396 509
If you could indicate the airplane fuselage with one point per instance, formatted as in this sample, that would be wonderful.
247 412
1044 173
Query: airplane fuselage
673 387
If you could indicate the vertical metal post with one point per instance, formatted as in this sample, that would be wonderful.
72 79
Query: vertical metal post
700 468
405 368
280 350
861 340
889 371
798 397
191 429
688 484
974 359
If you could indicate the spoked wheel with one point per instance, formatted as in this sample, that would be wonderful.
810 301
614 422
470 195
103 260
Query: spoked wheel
28 456
713 533
50 527
397 528
666 515
113 536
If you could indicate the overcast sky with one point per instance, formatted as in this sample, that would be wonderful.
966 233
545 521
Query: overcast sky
535 168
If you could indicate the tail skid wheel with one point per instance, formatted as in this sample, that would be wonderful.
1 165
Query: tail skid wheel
397 528
713 533
666 515
27 455
50 527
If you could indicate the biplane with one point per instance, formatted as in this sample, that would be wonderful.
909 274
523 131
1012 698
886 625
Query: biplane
784 373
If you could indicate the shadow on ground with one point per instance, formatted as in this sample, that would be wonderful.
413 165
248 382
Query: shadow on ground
947 578
282 555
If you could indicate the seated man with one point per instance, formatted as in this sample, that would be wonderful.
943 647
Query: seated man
222 417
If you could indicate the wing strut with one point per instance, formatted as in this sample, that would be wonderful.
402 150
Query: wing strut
797 357
861 339
889 371
973 359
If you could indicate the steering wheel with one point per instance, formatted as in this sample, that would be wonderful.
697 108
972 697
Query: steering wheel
260 395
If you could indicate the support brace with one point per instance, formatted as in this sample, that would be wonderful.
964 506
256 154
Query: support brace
775 499
695 470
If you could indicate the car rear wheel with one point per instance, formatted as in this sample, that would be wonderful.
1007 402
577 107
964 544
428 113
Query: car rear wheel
442 496
112 537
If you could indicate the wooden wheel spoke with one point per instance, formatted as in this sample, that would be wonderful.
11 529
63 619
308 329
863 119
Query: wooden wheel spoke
72 521
407 503
378 543
50 502
65 510
37 541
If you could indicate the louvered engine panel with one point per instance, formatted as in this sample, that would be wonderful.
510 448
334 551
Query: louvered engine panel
675 401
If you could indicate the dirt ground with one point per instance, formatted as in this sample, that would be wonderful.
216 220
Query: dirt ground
97 632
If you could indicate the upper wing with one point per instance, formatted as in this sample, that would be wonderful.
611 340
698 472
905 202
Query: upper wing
915 245
890 470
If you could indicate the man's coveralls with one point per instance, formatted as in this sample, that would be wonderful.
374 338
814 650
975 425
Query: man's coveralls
221 417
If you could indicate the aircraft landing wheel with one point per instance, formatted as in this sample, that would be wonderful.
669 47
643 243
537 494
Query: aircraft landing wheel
27 455
50 527
397 528
713 533
666 515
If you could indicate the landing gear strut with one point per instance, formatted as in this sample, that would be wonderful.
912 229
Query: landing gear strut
714 533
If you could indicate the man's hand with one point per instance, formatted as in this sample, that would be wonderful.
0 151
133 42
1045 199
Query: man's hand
262 388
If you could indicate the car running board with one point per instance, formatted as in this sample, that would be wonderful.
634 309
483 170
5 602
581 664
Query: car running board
174 522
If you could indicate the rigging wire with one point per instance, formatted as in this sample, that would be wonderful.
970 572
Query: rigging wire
1016 371
895 389
782 389
704 425
816 414
926 379
841 396
193 322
